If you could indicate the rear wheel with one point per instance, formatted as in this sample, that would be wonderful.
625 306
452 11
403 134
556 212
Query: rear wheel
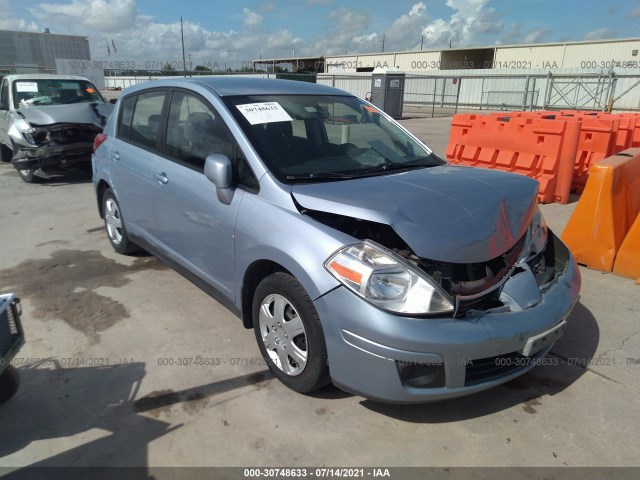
289 333
114 223
9 383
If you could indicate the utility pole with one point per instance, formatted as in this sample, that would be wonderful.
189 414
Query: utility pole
184 60
383 37
421 41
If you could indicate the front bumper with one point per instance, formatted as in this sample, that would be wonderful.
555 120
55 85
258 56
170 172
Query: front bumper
62 156
367 346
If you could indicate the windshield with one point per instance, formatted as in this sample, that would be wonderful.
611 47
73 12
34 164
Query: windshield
53 92
323 137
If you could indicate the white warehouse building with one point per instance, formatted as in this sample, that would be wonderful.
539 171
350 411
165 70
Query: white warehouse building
567 57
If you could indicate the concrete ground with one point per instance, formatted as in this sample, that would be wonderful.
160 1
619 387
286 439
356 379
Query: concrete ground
127 363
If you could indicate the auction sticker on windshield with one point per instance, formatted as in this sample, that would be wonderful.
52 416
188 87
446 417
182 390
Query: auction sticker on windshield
266 112
26 86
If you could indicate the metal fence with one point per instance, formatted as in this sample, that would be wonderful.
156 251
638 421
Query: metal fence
484 89
605 91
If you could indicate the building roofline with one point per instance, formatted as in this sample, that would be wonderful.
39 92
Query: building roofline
22 32
443 49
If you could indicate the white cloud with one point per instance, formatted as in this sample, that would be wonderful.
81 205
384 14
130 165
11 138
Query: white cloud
517 33
600 33
9 22
251 19
406 30
537 35
345 25
635 13
108 16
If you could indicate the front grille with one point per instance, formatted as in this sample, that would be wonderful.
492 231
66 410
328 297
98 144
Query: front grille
491 368
10 328
69 134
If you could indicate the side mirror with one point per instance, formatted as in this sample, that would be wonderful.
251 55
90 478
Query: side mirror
113 101
218 170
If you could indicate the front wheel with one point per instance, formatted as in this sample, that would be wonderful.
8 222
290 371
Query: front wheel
28 175
6 154
289 333
114 224
9 383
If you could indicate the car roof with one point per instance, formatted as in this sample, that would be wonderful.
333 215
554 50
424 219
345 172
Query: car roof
226 86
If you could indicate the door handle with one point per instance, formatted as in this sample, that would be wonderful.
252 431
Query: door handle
162 178
115 155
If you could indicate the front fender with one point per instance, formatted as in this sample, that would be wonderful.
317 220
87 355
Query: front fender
268 231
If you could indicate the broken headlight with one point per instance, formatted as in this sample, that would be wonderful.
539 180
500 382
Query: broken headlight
34 136
386 280
538 231
29 135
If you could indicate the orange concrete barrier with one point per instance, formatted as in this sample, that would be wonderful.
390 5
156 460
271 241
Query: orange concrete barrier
597 141
539 148
608 206
627 262
635 137
625 132
626 128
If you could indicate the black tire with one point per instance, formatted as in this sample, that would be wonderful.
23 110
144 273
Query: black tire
115 226
6 153
315 373
29 175
9 383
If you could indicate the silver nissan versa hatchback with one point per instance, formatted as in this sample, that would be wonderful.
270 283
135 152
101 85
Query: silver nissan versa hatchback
356 254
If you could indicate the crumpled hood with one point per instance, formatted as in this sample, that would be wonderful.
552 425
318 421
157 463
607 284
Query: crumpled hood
95 113
445 213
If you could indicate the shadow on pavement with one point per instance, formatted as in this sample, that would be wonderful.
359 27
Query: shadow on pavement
556 372
58 403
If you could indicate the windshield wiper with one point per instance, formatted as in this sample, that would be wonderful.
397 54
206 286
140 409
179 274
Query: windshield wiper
320 176
387 166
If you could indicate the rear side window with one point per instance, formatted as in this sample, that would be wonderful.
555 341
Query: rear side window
145 122
124 127
140 118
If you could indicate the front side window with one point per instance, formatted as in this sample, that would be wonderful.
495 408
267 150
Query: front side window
53 92
325 137
194 131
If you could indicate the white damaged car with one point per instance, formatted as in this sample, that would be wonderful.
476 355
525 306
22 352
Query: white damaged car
48 123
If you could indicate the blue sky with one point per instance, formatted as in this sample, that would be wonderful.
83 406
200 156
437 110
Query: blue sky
238 31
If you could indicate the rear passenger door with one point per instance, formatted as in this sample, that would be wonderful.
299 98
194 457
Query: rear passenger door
132 156
195 228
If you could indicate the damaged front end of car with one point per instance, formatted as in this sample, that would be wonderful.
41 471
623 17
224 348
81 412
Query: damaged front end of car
477 237
513 281
56 139
58 145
